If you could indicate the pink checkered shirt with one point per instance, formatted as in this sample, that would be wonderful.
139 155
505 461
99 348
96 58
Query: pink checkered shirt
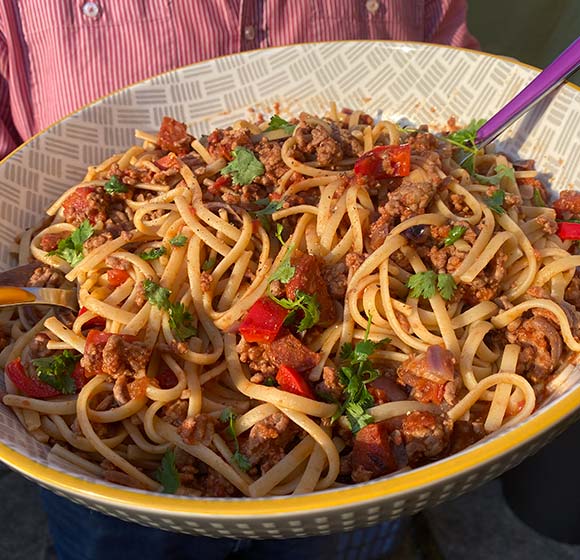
57 55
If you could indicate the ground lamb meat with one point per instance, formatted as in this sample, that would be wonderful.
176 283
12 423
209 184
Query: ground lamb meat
257 357
216 486
221 142
330 386
426 436
270 154
173 136
49 242
431 376
4 338
197 429
288 350
115 357
373 453
309 280
541 345
46 277
329 145
549 226
86 203
465 434
266 443
175 413
38 347
572 294
335 277
486 285
568 204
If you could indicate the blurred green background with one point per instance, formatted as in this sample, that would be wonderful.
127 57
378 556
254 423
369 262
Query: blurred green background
533 31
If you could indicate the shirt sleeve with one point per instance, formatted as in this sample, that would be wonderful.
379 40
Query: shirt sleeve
9 137
446 24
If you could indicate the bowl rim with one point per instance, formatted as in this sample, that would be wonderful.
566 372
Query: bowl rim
357 494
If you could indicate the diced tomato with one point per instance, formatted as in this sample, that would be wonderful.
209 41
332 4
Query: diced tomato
173 137
263 321
168 162
116 277
430 391
79 376
94 322
30 386
292 381
166 378
384 161
221 181
569 230
76 204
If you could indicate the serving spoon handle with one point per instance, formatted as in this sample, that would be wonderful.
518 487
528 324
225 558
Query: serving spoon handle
11 296
545 82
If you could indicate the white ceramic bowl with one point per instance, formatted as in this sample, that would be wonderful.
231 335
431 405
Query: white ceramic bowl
421 83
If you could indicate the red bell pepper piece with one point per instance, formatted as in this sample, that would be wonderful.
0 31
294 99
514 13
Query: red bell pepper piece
94 322
263 321
116 277
30 386
384 161
569 230
290 380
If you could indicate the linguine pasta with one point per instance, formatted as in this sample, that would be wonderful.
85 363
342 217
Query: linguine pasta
285 307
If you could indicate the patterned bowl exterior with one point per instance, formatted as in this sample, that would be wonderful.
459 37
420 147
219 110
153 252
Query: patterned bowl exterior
417 82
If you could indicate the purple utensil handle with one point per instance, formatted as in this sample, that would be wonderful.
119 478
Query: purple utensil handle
545 82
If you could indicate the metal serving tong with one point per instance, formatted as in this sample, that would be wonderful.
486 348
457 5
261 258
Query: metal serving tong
545 82
13 290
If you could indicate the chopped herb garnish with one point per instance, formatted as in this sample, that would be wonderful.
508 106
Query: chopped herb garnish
180 320
71 248
57 370
270 206
244 168
228 417
285 271
426 284
455 234
208 264
178 241
465 140
277 122
153 254
538 199
305 303
446 286
501 171
270 382
278 234
355 372
167 473
495 201
156 295
114 185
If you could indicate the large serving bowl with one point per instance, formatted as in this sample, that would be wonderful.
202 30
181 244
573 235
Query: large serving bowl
417 82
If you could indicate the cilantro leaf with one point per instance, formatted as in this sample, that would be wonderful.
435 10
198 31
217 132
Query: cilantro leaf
538 199
71 248
156 295
114 185
355 373
270 206
465 140
495 201
167 473
227 416
454 235
422 284
285 271
305 303
278 234
244 168
178 241
501 171
181 322
277 122
56 371
270 382
153 254
446 286
208 264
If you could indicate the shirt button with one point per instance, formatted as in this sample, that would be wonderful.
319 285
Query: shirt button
249 33
91 10
372 6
